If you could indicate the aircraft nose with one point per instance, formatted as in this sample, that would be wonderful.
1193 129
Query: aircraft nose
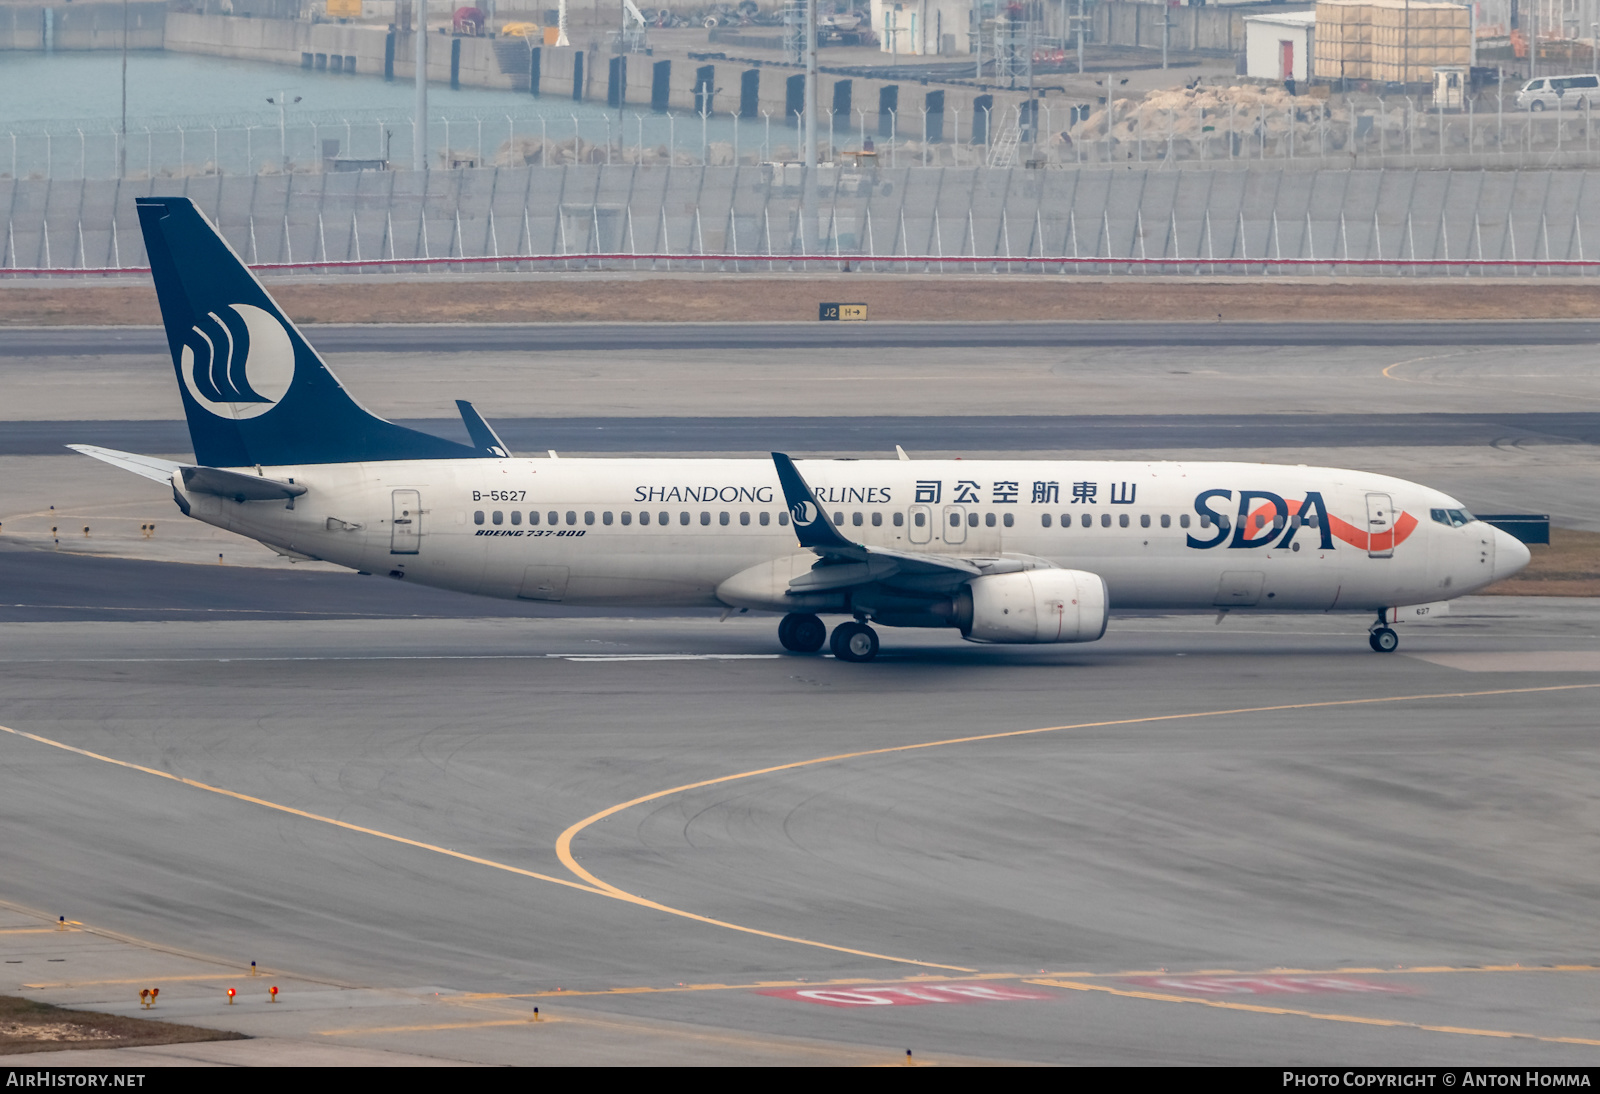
1511 555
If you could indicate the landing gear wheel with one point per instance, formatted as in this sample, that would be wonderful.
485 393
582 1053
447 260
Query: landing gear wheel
854 642
1383 640
802 633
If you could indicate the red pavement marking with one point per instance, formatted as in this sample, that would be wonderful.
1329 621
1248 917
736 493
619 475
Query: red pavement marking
1265 985
907 995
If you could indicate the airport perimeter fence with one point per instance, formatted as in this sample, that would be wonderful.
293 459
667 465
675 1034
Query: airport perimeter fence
750 219
1301 132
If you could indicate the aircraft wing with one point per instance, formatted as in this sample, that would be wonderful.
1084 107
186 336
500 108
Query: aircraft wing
846 564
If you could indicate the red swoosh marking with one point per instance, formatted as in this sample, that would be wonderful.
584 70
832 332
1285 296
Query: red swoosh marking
1349 533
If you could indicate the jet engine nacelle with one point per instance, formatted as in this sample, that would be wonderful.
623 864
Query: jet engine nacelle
1034 606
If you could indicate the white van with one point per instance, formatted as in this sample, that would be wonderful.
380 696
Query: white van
1567 92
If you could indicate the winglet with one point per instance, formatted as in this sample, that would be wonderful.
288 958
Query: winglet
481 432
811 524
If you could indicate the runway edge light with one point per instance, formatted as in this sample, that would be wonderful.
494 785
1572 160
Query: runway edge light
231 994
272 994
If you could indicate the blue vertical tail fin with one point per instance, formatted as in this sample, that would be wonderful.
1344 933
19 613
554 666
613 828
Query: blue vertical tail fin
254 391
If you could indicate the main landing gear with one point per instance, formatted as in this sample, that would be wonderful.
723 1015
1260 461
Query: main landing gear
1382 638
801 633
854 642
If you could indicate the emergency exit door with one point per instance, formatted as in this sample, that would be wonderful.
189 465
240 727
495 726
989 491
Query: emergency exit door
921 528
1380 526
405 537
955 524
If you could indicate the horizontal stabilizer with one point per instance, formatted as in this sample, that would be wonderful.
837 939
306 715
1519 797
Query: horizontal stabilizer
237 485
148 466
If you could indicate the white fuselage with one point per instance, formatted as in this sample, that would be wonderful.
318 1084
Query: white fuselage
668 532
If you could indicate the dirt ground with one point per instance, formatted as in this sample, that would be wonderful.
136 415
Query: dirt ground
680 297
1568 566
26 1026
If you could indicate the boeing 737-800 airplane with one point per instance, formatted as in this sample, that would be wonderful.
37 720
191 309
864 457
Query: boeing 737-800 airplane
1005 550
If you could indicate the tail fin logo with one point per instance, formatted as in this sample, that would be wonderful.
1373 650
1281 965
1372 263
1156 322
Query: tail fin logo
804 513
238 364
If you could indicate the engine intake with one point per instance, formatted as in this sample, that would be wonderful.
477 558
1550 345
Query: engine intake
1034 606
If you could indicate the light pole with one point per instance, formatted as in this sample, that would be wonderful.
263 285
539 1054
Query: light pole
282 102
809 159
419 135
122 142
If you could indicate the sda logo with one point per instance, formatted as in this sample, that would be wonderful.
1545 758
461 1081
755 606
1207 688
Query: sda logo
804 513
241 366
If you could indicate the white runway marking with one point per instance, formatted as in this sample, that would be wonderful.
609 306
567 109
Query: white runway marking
665 656
1524 661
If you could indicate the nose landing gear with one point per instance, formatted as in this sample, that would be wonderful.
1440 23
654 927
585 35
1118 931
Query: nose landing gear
1382 638
854 642
802 633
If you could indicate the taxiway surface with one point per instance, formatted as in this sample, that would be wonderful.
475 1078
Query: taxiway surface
1377 848
1249 843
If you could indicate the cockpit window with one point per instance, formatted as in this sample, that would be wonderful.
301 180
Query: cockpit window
1454 518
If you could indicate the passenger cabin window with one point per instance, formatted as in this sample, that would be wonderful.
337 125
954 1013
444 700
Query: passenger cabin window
838 520
783 519
955 520
498 517
744 519
972 519
1105 520
723 518
627 518
1205 520
1044 520
477 517
1183 520
919 519
1144 520
899 519
605 518
1010 519
1122 520
516 517
877 520
1166 520
855 519
1088 520
988 520
705 519
644 518
683 518
588 517
766 518
664 518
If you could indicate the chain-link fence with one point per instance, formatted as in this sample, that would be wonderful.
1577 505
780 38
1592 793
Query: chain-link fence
1259 218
